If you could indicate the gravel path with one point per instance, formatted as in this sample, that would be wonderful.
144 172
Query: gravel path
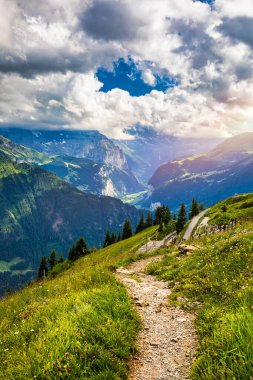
167 341
193 223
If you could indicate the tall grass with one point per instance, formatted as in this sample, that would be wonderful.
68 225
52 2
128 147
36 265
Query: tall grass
78 325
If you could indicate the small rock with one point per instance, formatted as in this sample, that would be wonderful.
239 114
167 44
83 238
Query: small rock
186 249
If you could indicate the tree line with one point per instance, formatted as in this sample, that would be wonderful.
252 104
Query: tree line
162 217
77 251
127 230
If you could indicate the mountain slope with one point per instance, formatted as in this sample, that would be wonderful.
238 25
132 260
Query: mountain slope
148 149
21 154
38 211
94 177
81 144
112 177
211 177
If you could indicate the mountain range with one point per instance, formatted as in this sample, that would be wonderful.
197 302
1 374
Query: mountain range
147 149
211 177
39 212
86 159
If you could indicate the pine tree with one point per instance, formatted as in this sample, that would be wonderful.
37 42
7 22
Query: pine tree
118 238
158 215
160 229
141 225
72 254
194 208
127 230
52 261
81 248
149 220
167 216
182 218
43 268
107 239
113 238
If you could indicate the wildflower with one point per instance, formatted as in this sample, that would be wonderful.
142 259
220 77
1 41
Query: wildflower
16 333
32 330
6 349
69 369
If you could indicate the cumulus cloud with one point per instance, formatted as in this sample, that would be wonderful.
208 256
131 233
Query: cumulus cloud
51 50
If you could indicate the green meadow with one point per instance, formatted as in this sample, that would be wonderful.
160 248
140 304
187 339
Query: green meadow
77 324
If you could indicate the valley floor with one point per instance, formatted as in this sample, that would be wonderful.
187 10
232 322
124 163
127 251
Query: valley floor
166 344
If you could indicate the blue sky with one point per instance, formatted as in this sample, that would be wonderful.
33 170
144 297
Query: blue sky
126 76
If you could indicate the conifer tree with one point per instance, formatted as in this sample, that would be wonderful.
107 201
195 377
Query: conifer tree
107 240
118 238
141 225
127 230
158 215
194 208
149 220
52 261
160 229
81 248
182 218
43 268
113 238
167 216
72 254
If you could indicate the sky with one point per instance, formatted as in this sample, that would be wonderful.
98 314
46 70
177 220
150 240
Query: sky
181 67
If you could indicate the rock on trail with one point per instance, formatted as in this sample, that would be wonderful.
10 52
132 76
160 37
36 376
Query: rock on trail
166 344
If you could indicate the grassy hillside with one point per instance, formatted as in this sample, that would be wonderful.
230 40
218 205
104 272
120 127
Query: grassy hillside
38 212
217 283
19 153
79 325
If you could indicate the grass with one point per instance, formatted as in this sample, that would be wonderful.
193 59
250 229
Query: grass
216 282
78 325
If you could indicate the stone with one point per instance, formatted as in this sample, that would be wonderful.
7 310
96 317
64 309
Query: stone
186 249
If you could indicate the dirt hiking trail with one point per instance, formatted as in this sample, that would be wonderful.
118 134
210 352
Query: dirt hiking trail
166 344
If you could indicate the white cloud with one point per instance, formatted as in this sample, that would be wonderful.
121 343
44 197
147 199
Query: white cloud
58 55
148 77
234 8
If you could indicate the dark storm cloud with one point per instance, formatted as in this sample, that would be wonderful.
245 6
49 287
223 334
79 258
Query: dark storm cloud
198 44
239 29
41 62
110 20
